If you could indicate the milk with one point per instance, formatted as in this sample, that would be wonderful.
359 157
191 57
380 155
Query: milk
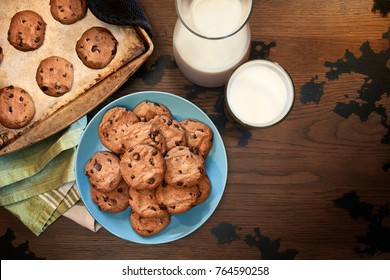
260 93
209 62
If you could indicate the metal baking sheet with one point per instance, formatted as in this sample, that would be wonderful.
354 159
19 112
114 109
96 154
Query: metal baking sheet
90 87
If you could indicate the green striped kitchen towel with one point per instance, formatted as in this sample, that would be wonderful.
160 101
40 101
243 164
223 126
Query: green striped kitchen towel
37 183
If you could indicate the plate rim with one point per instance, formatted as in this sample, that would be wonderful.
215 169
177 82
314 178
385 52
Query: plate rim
224 167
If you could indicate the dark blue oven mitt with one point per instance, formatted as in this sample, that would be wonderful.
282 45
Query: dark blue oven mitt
121 12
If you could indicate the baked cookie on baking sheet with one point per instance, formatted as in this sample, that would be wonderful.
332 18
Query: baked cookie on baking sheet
26 31
103 171
142 167
199 135
54 76
147 110
144 133
177 200
172 131
114 201
97 47
68 11
114 128
148 226
145 204
17 107
185 167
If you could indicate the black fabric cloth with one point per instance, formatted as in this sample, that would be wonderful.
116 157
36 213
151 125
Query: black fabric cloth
121 12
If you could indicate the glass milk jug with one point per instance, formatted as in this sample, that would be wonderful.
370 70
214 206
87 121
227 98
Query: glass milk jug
211 37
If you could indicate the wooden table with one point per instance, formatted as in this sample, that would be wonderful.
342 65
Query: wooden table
315 186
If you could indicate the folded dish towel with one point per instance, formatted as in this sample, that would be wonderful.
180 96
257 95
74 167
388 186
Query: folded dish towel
37 183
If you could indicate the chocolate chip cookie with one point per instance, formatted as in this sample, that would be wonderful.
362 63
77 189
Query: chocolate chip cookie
68 11
144 133
185 166
142 167
199 135
113 128
147 110
26 31
204 187
145 204
97 47
177 200
172 131
54 76
103 171
114 201
148 226
17 107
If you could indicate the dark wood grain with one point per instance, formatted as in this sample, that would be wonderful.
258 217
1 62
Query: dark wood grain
283 180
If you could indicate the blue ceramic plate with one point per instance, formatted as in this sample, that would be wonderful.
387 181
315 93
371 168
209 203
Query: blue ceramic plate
181 224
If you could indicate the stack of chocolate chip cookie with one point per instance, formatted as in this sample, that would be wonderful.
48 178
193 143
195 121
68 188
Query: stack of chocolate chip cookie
155 165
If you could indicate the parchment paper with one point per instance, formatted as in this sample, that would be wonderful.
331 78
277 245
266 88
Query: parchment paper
19 68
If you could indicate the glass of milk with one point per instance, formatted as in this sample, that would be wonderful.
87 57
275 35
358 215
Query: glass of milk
260 93
211 37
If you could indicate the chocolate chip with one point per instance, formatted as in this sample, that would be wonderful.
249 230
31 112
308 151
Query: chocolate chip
151 161
151 181
136 156
119 190
162 206
95 49
154 134
97 166
112 202
11 95
10 109
37 40
194 150
44 88
179 183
